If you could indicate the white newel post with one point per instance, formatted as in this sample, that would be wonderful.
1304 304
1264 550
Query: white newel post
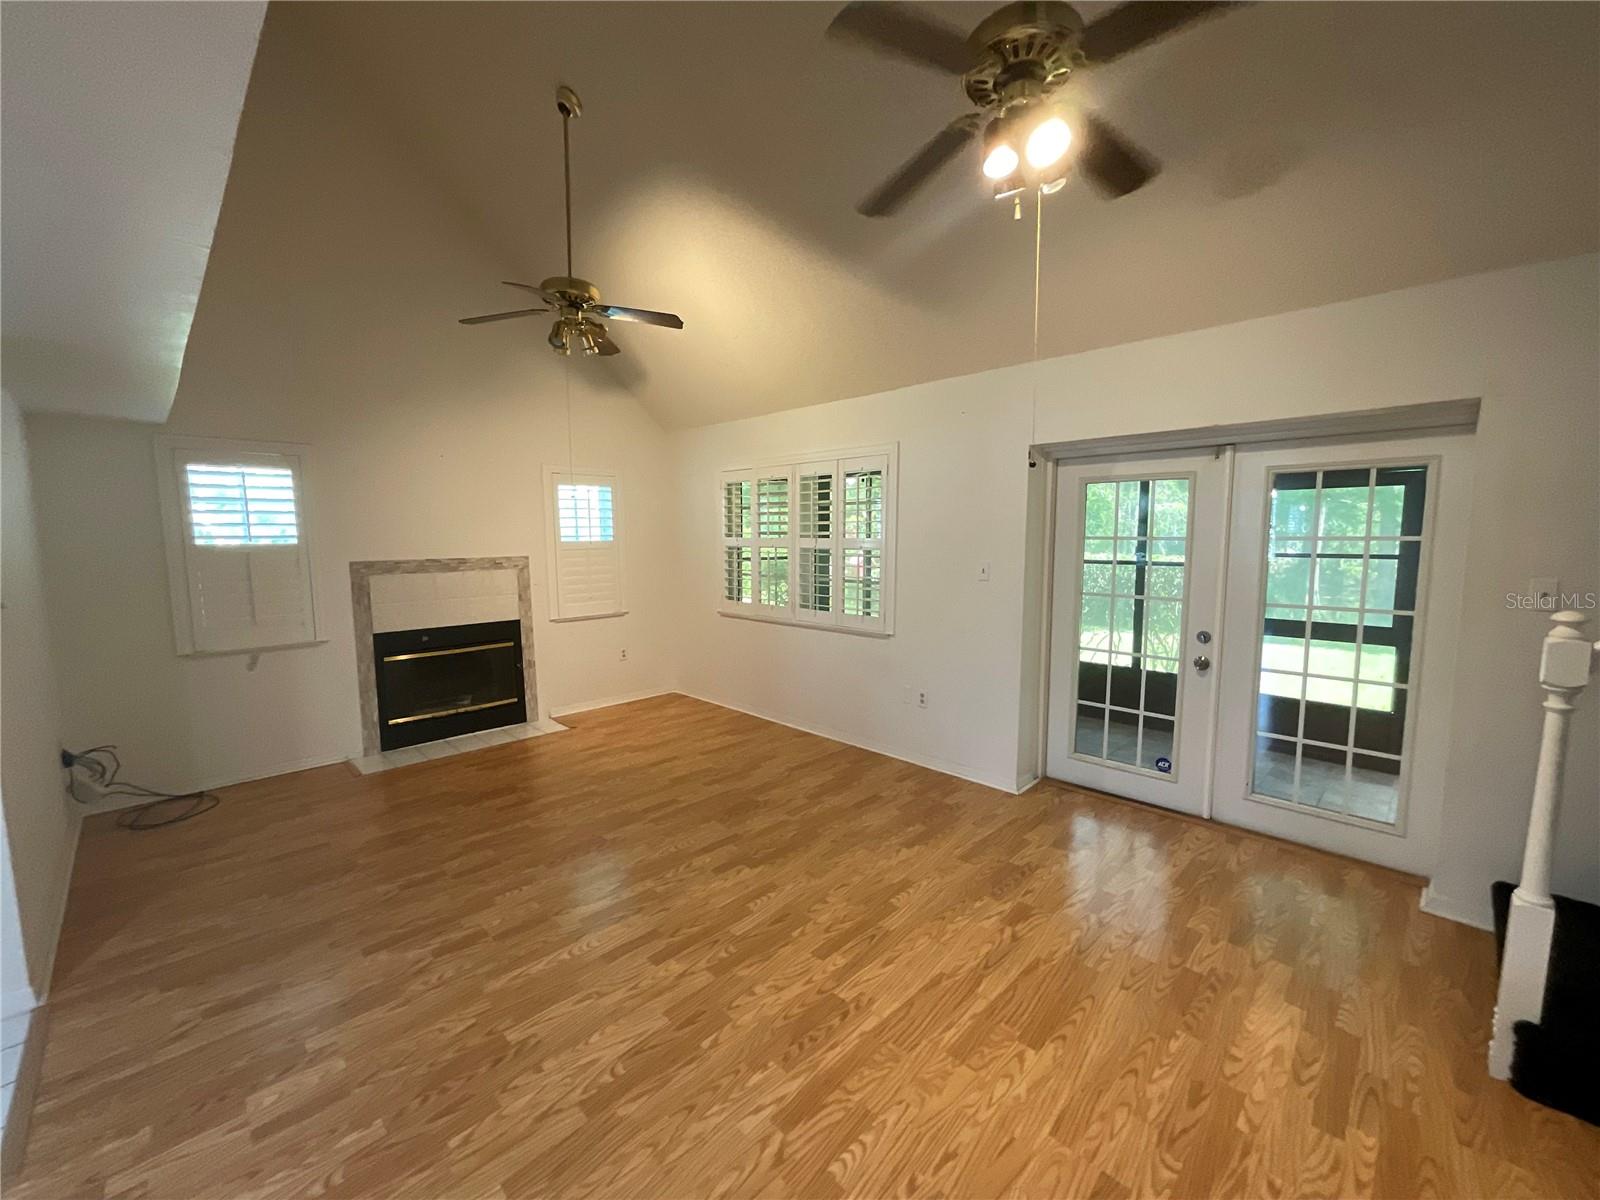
1564 669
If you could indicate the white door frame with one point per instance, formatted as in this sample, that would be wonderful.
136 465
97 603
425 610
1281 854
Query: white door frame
1441 417
1101 469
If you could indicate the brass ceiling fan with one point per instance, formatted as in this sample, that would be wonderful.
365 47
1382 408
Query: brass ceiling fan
576 302
1013 66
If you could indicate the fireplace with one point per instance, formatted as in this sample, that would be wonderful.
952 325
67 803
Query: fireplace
448 680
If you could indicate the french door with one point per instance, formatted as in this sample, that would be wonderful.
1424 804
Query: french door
1133 616
1292 696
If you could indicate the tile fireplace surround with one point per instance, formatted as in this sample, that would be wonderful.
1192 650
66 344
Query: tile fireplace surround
418 593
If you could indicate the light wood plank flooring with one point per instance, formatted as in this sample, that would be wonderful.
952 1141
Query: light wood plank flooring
681 952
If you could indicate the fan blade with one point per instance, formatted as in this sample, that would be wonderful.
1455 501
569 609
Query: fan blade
505 316
539 292
941 148
643 316
1129 26
607 346
899 29
1112 163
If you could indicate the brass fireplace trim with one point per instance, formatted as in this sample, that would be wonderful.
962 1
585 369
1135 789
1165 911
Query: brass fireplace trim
454 650
448 712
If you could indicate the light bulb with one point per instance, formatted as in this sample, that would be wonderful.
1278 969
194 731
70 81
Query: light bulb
1002 160
1047 143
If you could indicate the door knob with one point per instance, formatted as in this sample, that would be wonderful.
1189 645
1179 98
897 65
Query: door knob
1202 663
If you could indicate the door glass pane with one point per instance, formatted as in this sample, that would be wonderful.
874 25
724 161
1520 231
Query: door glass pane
1343 552
1130 621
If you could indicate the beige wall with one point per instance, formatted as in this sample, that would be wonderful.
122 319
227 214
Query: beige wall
40 826
1525 341
329 318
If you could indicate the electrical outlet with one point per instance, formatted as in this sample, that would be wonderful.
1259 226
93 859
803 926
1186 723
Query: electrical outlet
624 656
922 699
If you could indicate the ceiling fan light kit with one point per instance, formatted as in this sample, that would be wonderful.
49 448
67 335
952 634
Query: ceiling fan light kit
1013 68
576 302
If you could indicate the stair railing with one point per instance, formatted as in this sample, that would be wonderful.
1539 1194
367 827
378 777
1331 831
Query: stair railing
1564 669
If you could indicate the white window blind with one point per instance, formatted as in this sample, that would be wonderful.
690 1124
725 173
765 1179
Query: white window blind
236 550
585 545
810 542
240 504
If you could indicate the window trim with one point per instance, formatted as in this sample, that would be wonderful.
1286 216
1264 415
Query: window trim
552 539
179 542
794 465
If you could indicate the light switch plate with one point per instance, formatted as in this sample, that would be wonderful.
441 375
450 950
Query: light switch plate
983 572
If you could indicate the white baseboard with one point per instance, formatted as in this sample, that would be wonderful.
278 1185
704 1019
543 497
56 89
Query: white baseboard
38 992
288 767
944 767
1479 916
567 710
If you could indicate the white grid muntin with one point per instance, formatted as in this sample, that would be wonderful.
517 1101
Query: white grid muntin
1112 656
1429 465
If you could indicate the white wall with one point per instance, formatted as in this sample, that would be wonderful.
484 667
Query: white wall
1525 341
329 318
963 476
40 826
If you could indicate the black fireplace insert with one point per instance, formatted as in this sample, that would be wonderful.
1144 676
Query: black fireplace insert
449 680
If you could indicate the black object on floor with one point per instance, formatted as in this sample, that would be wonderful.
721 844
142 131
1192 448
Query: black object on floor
1500 895
1556 1061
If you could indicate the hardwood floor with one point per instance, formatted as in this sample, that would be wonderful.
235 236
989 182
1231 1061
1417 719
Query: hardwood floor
681 952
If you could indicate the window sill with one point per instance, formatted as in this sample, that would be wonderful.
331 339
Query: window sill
762 619
621 612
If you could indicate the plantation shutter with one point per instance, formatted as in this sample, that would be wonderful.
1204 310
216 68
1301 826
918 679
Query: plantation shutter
586 555
774 541
738 541
811 543
245 563
816 542
864 517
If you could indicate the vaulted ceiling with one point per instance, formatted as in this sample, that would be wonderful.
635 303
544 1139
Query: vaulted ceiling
1311 152
119 122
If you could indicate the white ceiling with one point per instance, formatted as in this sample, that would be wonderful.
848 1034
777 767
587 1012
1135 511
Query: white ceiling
1312 153
118 127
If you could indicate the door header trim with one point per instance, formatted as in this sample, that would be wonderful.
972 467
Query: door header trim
1435 416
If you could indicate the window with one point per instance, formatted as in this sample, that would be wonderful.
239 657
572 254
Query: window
810 542
1130 621
240 504
236 547
585 558
1343 557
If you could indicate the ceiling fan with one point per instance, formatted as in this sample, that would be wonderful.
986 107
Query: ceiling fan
576 302
1012 66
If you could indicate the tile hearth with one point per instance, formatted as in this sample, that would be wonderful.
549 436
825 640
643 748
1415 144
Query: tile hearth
405 756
